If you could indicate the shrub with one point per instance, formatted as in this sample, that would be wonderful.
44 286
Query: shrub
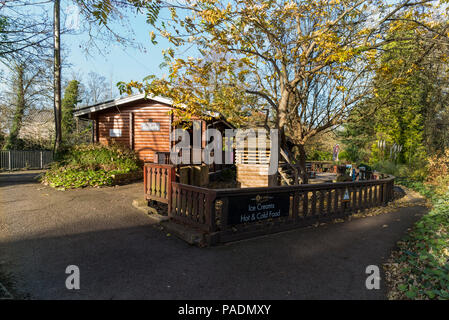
227 174
90 165
318 155
416 172
438 169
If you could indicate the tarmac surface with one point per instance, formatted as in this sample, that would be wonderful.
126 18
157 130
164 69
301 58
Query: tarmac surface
122 255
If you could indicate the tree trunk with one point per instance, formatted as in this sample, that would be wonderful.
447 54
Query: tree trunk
302 164
57 74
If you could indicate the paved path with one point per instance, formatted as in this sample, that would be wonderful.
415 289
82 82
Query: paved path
121 255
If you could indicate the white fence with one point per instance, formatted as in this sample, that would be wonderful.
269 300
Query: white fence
15 159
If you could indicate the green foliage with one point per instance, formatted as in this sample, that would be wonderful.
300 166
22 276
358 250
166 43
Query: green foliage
319 155
227 174
416 171
357 135
406 108
69 102
19 104
423 256
90 165
2 140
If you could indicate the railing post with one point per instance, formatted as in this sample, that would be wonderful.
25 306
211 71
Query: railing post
224 214
145 179
171 176
295 207
9 160
42 165
391 189
210 211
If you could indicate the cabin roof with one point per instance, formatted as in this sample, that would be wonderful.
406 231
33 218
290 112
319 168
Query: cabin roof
136 97
119 101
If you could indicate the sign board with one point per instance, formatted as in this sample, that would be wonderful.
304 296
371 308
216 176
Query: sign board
115 132
150 126
346 196
253 208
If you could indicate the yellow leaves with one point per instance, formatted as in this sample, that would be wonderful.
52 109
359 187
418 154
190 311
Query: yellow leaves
153 38
173 13
399 81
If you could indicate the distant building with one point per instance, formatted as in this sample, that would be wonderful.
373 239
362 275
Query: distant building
38 126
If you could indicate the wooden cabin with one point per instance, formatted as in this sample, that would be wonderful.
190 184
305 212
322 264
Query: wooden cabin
141 124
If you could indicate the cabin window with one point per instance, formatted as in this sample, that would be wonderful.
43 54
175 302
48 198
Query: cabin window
150 126
115 132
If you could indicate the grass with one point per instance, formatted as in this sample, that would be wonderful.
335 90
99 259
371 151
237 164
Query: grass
419 269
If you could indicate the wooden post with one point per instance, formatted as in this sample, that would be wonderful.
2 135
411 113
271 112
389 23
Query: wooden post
224 213
131 130
295 207
305 204
314 202
329 201
170 178
145 172
97 130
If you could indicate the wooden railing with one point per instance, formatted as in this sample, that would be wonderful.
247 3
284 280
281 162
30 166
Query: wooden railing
232 214
158 179
193 206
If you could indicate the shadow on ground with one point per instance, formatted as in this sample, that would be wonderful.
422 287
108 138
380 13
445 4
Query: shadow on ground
18 178
121 255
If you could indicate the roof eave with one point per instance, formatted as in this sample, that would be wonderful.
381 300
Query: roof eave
118 102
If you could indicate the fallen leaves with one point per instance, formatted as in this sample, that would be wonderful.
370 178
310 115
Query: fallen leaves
419 269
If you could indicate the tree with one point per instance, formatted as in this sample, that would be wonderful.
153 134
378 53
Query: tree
308 61
25 28
26 83
97 89
57 73
358 133
408 101
69 102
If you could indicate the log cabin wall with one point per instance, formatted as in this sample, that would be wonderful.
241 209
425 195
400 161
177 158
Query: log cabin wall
141 125
126 121
147 143
113 121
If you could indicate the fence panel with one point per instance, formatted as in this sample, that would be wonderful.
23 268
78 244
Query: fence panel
25 159
233 214
158 180
193 206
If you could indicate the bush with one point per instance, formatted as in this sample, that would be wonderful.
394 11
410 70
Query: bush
227 174
438 169
318 155
90 165
416 172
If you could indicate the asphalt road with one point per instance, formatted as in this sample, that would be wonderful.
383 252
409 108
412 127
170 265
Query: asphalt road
121 255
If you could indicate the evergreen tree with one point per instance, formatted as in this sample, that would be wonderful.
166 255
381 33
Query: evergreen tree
69 102
19 104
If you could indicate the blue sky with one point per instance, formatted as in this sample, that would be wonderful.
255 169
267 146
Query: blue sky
117 62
